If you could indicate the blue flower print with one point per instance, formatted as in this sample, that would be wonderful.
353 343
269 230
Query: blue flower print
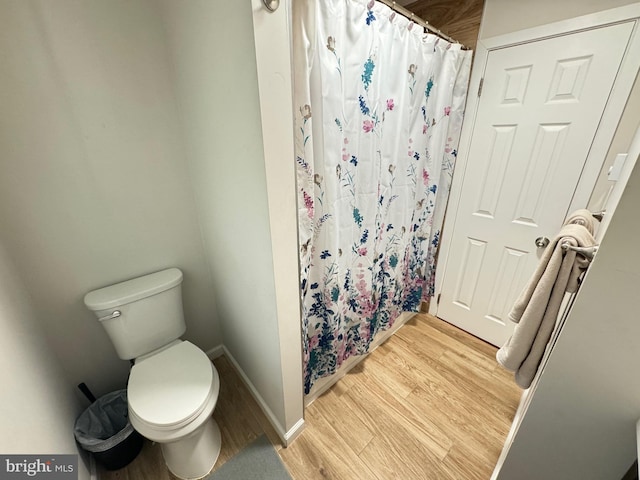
436 239
370 17
427 91
357 217
363 105
368 71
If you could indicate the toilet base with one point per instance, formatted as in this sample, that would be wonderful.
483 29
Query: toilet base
194 456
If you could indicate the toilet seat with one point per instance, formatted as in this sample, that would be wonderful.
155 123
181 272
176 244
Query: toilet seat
169 390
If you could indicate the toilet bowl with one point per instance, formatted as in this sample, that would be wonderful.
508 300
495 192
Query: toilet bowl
171 396
173 387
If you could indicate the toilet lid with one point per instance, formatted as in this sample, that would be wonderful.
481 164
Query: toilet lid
171 387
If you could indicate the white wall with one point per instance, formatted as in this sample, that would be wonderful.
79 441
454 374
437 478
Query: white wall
505 16
94 187
38 407
273 44
212 49
581 420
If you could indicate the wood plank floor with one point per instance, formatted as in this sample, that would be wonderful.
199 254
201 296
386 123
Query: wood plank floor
429 403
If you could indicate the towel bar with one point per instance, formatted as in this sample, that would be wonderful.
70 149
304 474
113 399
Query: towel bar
586 252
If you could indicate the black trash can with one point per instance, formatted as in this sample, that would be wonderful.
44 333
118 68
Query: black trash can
104 430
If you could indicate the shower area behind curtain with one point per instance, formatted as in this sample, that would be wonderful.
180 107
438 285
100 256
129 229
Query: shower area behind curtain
380 106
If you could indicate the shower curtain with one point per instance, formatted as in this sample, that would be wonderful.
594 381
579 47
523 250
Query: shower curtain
379 109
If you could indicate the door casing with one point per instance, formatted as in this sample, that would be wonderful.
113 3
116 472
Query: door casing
604 135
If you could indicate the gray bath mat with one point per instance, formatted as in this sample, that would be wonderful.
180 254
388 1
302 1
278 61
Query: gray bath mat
257 461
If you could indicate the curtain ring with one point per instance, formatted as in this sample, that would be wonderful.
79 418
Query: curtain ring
272 5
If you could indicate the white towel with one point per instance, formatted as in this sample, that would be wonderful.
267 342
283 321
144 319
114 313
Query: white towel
537 308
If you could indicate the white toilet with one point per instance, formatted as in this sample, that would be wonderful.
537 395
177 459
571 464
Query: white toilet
173 386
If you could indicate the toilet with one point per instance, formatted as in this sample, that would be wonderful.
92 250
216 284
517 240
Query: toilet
173 386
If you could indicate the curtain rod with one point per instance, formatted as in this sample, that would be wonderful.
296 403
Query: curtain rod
415 19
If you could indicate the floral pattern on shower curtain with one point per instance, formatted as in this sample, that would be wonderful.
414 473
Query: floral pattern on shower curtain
379 110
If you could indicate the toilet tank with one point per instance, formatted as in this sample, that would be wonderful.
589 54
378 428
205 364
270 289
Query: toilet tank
142 314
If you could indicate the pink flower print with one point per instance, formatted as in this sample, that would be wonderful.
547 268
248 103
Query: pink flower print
424 129
367 126
364 332
447 148
362 251
425 177
345 157
410 153
346 140
314 341
308 203
447 110
390 104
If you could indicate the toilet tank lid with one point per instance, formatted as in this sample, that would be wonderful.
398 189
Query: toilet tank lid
135 289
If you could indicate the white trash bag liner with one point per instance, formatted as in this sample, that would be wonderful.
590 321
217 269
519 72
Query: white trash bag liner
105 423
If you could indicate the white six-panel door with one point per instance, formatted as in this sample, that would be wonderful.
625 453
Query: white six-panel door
539 110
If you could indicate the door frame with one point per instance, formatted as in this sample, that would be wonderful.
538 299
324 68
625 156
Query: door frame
606 129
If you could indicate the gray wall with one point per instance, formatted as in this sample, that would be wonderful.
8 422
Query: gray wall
94 185
131 141
36 414
213 54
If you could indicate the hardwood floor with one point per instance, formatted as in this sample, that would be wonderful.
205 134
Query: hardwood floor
429 403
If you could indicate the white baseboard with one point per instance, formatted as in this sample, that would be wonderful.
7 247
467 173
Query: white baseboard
286 437
296 430
321 386
215 352
324 384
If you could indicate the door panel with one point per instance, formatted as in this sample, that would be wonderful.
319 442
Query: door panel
539 111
